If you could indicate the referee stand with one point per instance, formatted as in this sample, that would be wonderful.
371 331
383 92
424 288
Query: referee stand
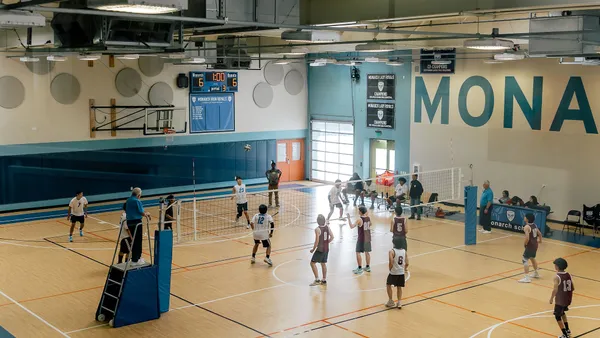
138 293
470 215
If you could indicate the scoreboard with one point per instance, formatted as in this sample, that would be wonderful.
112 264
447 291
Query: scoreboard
213 82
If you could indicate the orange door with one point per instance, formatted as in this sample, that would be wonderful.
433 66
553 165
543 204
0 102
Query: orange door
290 159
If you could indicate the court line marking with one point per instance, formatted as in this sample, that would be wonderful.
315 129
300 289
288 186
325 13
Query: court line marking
86 328
549 287
33 314
347 329
229 297
491 328
55 295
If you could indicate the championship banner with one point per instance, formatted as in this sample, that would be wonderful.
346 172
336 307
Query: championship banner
381 115
381 86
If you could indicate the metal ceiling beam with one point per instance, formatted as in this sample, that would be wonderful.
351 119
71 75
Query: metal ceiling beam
21 4
233 22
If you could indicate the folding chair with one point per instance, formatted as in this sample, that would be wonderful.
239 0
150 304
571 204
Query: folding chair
591 216
429 208
573 219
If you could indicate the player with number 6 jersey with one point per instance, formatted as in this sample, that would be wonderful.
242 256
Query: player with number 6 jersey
261 224
399 229
398 264
562 295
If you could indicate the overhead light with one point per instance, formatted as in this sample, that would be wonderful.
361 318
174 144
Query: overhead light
17 19
374 46
508 57
140 6
195 60
56 58
489 44
294 51
283 61
177 56
581 61
89 57
128 57
311 36
348 63
374 59
317 64
395 63
28 59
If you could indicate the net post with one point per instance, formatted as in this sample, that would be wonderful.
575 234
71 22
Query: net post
178 221
195 221
452 179
161 214
470 215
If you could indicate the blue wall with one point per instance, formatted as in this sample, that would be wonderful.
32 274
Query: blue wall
331 94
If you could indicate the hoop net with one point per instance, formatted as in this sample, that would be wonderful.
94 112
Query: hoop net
169 136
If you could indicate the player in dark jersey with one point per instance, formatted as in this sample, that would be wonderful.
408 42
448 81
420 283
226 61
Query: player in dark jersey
399 229
363 244
320 250
562 294
533 237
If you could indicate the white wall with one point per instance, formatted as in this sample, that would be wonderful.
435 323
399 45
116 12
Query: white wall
41 119
520 160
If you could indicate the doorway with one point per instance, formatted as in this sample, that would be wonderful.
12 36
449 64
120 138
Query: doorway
383 156
290 159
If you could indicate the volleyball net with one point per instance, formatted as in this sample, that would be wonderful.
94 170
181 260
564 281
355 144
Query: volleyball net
214 218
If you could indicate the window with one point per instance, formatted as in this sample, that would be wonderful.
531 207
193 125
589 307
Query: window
332 145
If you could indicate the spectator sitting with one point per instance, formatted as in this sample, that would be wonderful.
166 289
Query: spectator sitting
516 200
353 188
532 203
369 189
505 199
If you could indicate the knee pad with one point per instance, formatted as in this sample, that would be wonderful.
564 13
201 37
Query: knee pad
240 212
557 317
524 261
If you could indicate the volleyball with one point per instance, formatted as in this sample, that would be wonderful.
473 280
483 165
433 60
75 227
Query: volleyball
247 147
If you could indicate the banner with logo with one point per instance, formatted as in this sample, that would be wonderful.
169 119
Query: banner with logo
381 86
439 61
512 218
381 115
212 112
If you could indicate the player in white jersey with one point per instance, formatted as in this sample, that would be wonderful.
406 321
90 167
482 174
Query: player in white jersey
261 224
398 264
335 199
77 213
239 193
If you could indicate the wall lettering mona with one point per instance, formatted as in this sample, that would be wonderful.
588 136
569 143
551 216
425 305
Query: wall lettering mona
381 115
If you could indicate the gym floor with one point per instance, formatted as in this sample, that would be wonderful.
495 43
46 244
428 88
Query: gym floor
51 288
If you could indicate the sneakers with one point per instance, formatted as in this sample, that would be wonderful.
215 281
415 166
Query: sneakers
418 218
81 232
70 238
252 260
569 333
563 336
368 269
247 226
141 261
390 303
480 230
535 274
315 283
324 282
268 261
399 305
411 217
525 280
486 232
357 271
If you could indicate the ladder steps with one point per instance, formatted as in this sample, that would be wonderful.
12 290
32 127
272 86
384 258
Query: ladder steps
107 309
112 281
112 296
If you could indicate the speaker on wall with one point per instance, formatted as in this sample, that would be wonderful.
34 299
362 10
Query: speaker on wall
182 81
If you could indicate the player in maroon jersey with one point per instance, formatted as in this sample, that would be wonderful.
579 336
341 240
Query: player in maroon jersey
533 237
320 250
562 294
399 229
363 243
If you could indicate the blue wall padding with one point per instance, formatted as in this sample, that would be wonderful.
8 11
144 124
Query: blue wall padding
5 334
139 299
96 172
163 257
470 215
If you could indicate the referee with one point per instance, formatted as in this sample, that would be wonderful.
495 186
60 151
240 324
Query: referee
485 208
135 213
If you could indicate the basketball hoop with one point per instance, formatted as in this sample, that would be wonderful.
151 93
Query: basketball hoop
169 136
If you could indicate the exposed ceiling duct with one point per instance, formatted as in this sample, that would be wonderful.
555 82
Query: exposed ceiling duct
311 36
576 44
19 19
140 6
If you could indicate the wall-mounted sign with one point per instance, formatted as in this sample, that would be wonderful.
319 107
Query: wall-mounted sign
381 86
212 112
210 82
381 115
439 61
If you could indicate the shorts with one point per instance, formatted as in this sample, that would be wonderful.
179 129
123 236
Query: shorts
528 254
337 205
242 207
399 242
363 246
395 280
319 257
75 219
560 310
168 226
125 244
265 242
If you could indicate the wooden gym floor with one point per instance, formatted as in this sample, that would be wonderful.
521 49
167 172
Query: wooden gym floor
51 288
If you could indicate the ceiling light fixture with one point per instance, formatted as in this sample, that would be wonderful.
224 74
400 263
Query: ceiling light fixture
508 57
311 36
28 59
283 61
294 51
56 58
194 60
395 63
348 63
374 59
492 43
374 47
317 64
176 56
89 57
128 57
140 6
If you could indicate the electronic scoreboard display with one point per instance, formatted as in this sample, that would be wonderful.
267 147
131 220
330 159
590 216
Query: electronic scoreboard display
213 82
